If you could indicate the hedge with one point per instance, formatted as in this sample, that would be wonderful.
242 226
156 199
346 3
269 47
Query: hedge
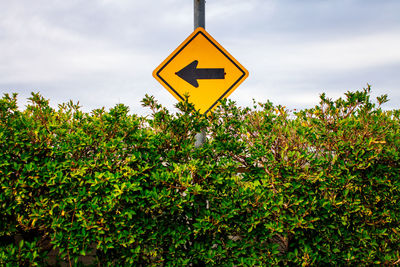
269 187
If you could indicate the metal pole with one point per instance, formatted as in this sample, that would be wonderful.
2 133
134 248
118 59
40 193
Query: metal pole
200 21
199 14
200 138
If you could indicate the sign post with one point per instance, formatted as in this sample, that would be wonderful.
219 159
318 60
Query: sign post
199 14
200 21
200 68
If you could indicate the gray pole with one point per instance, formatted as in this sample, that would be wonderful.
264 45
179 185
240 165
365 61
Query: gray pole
199 14
200 21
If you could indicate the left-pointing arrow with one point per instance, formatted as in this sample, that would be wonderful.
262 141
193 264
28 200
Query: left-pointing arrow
191 73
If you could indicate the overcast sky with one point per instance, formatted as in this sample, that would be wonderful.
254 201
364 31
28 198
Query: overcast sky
103 52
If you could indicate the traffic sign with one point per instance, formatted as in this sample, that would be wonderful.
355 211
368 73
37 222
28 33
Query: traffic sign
201 68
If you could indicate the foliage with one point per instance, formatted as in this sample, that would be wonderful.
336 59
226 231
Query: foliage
269 186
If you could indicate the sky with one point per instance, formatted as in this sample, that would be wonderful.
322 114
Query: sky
103 52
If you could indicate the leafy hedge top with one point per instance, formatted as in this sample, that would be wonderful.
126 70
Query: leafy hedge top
269 186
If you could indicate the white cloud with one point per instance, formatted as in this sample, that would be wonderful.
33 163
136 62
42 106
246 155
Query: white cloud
228 9
103 52
345 54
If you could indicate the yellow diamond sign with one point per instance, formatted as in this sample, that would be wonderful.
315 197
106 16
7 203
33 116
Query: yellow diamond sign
201 68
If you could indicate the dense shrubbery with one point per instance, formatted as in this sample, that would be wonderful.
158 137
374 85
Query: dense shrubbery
269 186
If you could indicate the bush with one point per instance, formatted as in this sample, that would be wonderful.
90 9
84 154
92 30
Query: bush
269 186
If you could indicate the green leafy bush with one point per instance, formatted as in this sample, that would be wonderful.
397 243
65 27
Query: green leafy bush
269 186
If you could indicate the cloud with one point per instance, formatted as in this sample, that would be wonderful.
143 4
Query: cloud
103 52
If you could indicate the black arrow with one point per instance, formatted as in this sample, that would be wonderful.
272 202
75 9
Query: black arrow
191 73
